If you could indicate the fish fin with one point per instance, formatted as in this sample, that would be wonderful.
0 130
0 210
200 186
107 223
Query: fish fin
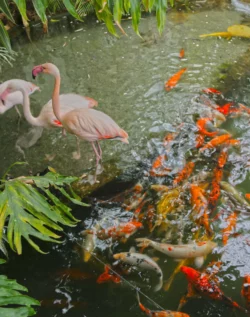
132 250
159 285
198 262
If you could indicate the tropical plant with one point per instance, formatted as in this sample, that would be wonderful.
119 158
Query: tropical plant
106 11
29 208
10 295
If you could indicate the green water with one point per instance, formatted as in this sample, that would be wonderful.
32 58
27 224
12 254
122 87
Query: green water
126 76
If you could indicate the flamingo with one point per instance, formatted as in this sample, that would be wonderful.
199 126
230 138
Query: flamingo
15 98
46 118
87 124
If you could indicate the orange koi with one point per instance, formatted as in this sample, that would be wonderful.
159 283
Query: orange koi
223 158
218 174
201 125
216 141
182 53
185 173
107 276
231 224
162 313
158 162
214 194
247 196
211 91
200 139
232 142
245 291
200 204
172 82
225 109
201 283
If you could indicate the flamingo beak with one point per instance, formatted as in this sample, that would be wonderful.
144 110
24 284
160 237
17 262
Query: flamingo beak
36 70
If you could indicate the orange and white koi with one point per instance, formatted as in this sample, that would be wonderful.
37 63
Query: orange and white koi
172 82
202 284
107 276
141 261
231 224
196 250
185 173
245 291
216 141
125 229
162 313
201 125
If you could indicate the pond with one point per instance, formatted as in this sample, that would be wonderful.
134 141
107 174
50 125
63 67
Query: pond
126 76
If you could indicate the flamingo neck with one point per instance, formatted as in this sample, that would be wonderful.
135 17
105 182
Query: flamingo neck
55 97
26 110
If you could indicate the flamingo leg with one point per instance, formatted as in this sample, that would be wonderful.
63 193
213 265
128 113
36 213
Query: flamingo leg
77 153
19 118
97 158
100 150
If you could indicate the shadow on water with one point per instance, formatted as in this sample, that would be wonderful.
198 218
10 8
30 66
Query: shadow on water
127 77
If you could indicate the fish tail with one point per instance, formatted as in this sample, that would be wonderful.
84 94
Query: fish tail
143 242
222 34
232 303
143 308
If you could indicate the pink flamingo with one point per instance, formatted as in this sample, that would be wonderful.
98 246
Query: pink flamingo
15 98
46 118
87 124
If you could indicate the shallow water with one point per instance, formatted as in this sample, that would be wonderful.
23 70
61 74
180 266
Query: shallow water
126 76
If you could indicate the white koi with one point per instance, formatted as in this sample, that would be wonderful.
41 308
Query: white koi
141 261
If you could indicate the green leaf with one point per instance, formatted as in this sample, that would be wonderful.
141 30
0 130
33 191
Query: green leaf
171 2
136 14
71 9
148 4
126 4
29 212
4 37
5 9
104 14
21 4
2 261
40 8
161 8
10 295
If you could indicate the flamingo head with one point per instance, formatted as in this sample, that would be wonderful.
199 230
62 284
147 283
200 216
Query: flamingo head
47 68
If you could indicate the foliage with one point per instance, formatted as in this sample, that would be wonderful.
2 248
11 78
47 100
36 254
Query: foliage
28 208
106 11
10 295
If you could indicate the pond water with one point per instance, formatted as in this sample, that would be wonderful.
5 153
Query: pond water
126 75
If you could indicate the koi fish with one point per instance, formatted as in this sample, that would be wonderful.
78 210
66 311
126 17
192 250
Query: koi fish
158 162
200 204
107 276
201 125
74 274
216 141
116 232
245 291
196 250
89 243
231 224
223 158
226 109
201 283
162 313
200 139
168 138
232 142
172 82
182 53
214 194
236 195
247 196
211 91
136 201
141 261
185 173
164 172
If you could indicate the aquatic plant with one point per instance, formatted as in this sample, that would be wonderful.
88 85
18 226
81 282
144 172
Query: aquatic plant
10 295
106 11
29 208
